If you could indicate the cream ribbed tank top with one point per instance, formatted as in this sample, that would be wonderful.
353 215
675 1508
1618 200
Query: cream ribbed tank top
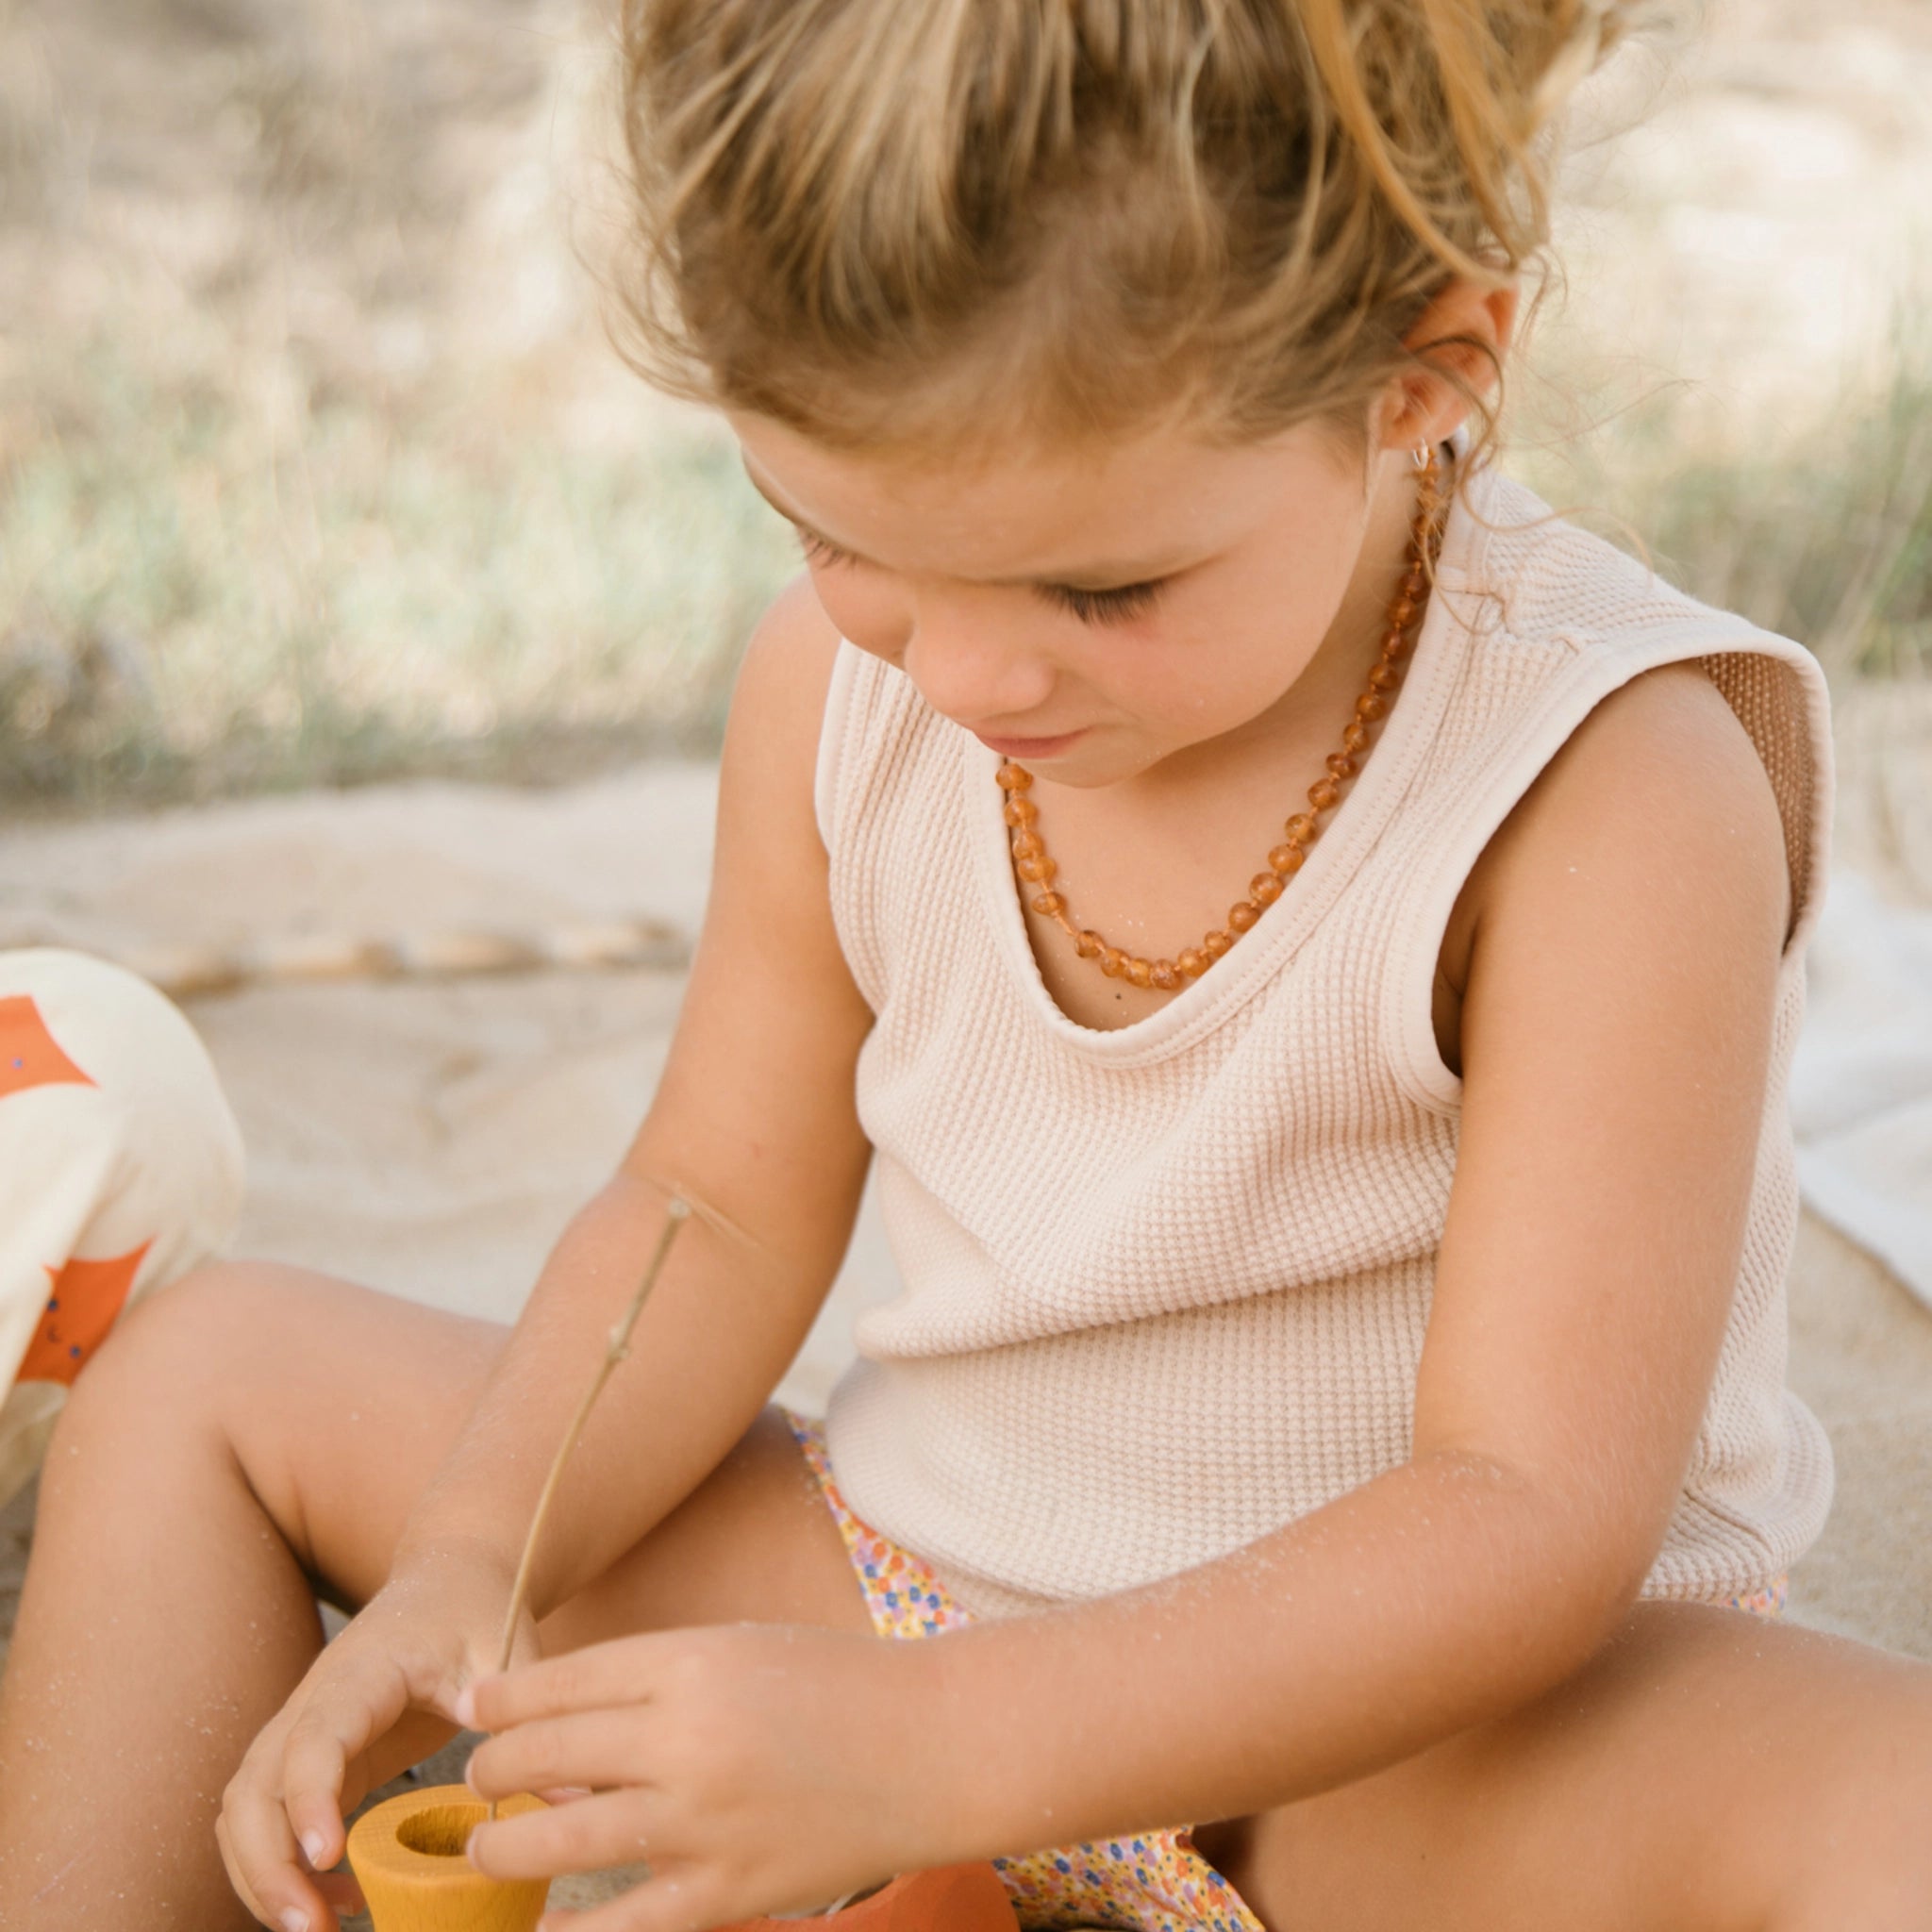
1164 1288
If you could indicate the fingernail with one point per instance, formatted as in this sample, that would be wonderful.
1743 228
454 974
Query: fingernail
293 1921
466 1707
312 1847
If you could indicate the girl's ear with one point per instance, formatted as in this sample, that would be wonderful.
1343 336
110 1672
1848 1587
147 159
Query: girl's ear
1461 340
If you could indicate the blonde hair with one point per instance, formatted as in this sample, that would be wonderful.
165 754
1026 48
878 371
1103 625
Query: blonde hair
878 219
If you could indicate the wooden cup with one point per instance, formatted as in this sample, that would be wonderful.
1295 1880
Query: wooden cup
952 1898
408 1856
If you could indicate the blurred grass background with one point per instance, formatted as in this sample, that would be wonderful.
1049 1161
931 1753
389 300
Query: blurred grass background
315 467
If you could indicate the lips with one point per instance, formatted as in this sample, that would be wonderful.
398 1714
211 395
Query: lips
1031 747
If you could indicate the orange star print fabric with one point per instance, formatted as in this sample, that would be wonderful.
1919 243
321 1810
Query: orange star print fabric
29 1054
86 1298
87 1295
120 1170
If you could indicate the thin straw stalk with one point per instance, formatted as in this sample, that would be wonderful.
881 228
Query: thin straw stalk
677 1212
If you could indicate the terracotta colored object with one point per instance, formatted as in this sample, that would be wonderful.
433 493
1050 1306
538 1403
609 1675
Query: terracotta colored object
953 1898
408 1856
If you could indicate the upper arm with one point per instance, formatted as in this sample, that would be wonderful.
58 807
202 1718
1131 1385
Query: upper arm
755 1114
1616 1032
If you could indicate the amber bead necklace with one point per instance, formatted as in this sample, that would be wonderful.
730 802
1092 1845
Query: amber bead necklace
1035 868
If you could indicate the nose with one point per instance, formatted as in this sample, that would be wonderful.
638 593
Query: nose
977 666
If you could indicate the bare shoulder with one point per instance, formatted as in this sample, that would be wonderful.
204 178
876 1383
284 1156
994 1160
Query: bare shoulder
1615 1034
768 884
1672 722
779 699
1659 808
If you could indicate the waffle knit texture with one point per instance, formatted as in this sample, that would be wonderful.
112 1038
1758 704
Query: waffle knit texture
1164 1289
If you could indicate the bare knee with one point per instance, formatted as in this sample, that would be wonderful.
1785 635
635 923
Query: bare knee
180 1356
150 1420
1864 1857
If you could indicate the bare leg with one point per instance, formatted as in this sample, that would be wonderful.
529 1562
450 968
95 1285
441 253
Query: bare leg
243 1440
1706 1772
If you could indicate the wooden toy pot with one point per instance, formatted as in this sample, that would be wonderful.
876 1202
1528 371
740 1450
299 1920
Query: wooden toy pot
953 1898
408 1856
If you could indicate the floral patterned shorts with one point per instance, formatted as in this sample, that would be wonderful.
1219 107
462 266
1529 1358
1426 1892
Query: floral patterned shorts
1154 1883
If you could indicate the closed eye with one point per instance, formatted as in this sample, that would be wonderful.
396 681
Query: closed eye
817 550
1121 605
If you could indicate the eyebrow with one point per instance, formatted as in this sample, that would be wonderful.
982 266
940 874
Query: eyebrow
1095 578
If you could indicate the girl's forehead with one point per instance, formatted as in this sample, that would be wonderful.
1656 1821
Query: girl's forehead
1088 510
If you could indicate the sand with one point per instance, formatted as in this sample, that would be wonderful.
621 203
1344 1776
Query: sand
432 1138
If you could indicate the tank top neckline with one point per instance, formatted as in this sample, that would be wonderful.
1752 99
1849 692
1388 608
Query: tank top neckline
1207 1003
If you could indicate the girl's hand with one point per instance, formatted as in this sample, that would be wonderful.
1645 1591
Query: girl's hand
755 1767
380 1697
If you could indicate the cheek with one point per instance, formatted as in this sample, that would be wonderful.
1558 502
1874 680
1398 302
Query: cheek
1234 649
866 610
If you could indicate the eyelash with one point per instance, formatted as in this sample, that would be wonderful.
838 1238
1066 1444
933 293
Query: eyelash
817 550
1119 606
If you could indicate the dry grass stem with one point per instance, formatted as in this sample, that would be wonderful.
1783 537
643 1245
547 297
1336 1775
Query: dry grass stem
675 1214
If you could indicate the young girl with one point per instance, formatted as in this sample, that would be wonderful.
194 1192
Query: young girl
1312 945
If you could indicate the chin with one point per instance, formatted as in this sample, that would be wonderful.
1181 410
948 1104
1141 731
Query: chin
1096 772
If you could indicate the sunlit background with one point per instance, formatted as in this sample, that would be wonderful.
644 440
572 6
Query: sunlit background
315 465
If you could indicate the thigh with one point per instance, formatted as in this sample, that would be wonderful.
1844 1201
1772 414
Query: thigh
1707 1770
754 1543
339 1404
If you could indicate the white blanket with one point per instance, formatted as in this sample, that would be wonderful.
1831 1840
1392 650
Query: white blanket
1861 1081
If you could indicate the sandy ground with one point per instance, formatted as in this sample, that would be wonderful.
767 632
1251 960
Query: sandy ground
430 1138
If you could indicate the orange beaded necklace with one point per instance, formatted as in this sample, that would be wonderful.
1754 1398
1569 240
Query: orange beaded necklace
1033 867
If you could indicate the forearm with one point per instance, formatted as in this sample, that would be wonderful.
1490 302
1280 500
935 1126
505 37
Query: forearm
1441 1594
716 1334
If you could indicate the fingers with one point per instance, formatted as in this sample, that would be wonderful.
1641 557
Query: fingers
281 1815
615 1673
335 1893
590 1750
259 1847
611 1828
687 1890
335 1725
412 1738
225 1843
